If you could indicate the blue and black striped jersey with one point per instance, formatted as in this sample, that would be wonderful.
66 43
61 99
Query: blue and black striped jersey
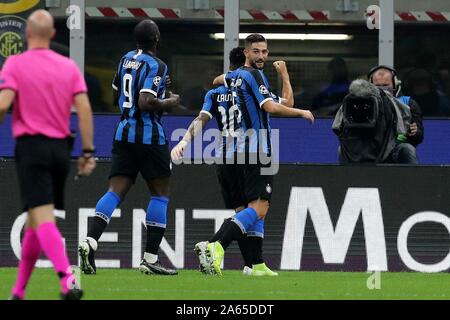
219 104
251 90
138 72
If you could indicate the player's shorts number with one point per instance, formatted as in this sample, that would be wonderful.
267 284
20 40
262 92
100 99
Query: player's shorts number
228 120
127 81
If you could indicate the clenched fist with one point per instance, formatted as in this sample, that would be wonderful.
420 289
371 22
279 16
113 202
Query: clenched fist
280 66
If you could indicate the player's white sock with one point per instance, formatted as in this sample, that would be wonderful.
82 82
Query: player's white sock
150 257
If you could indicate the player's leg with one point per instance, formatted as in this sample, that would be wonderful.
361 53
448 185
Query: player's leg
51 243
123 174
31 249
37 161
258 191
45 165
227 177
258 186
118 188
155 221
230 178
155 169
233 229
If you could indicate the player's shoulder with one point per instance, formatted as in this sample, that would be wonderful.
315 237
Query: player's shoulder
250 72
232 74
153 61
212 92
220 89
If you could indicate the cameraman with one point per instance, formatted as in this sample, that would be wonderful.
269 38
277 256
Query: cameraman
371 124
386 77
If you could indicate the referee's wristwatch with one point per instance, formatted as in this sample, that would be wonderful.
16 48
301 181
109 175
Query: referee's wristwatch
88 153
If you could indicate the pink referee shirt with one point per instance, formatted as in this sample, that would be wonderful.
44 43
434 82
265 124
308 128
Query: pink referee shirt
45 83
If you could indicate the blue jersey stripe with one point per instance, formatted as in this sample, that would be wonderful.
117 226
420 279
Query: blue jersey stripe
139 72
251 89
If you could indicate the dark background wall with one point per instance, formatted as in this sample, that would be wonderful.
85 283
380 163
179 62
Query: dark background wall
403 192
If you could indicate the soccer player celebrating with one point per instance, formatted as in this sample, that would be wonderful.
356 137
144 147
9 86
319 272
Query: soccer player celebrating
139 145
43 86
218 103
252 96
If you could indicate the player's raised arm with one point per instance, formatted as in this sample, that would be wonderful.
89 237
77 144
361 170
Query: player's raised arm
219 80
287 92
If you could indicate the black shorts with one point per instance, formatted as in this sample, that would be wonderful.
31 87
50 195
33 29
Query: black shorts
231 181
152 161
241 184
43 165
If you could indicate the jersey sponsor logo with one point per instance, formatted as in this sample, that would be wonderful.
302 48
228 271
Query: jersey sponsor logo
238 83
157 81
224 98
17 6
129 64
268 188
263 89
12 36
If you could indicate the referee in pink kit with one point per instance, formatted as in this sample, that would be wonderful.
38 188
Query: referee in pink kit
43 85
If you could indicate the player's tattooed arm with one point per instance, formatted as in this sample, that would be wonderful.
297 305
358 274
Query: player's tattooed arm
219 80
148 102
195 128
6 99
287 92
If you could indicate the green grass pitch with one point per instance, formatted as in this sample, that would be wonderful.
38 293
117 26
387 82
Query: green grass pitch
190 284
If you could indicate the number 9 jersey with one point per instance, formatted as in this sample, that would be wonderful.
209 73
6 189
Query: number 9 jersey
138 72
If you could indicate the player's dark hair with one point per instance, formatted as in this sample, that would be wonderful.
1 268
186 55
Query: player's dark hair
146 34
237 58
254 38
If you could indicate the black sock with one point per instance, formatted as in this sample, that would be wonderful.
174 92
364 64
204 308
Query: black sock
247 254
220 232
231 232
96 228
154 238
256 247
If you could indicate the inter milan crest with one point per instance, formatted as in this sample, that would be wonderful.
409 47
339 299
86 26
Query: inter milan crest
12 36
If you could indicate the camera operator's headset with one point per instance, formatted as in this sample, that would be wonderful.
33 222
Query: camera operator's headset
395 80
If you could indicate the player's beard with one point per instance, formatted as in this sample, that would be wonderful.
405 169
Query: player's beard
255 65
